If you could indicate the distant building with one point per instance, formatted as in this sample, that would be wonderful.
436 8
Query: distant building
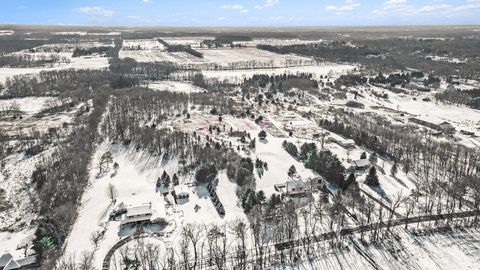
414 86
7 262
345 143
444 127
467 132
447 128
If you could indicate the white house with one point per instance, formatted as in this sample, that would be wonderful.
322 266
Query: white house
143 214
137 215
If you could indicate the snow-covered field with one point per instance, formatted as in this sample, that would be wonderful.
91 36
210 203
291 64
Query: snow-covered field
276 42
236 76
221 57
143 44
225 56
194 42
29 105
456 249
174 86
180 58
76 63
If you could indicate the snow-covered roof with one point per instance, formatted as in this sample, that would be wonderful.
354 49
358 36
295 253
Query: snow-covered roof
361 163
12 265
295 184
122 206
181 189
5 258
27 261
143 210
134 219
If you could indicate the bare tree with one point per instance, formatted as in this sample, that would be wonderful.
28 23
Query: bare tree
112 193
193 234
95 237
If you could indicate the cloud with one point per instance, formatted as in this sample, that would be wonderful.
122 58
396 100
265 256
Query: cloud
395 2
402 8
471 6
221 18
146 1
96 11
271 3
434 8
347 6
232 6
239 7
398 7
268 3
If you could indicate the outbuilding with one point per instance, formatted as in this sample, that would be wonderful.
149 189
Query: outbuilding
181 192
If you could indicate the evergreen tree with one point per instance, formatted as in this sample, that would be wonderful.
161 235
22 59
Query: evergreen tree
292 171
262 134
165 179
394 170
363 156
373 158
261 196
350 180
372 178
175 180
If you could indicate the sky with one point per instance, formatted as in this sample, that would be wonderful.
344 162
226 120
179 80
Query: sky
240 12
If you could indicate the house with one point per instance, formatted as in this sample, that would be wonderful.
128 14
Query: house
142 214
345 143
447 128
7 262
181 192
297 188
444 127
361 164
414 86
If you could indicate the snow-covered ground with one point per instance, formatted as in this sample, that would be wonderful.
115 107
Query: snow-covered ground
76 63
136 185
236 76
174 86
457 249
29 105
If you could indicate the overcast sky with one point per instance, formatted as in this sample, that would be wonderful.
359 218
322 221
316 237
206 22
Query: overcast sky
240 12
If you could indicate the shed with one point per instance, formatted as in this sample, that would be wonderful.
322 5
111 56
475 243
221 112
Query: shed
361 164
181 192
295 188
